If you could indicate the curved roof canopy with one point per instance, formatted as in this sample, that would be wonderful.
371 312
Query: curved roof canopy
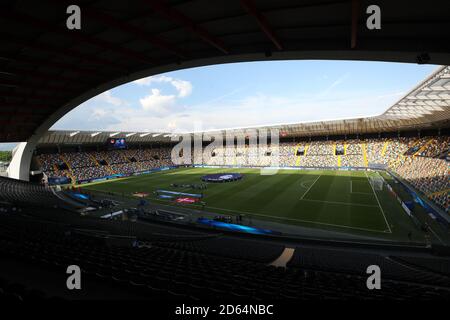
46 70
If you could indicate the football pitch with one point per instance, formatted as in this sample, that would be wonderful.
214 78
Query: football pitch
330 199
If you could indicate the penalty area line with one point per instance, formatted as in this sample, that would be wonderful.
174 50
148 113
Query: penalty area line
304 194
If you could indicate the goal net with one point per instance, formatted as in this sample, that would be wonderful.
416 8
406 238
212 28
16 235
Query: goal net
376 183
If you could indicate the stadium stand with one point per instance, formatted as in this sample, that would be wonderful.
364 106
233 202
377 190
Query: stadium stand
421 161
356 263
25 193
440 266
435 147
84 166
428 175
230 247
202 269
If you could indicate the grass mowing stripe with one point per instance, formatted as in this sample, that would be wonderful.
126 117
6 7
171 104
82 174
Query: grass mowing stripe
325 200
147 176
274 193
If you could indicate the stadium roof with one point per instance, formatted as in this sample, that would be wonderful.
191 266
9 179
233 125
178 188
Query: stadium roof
46 70
427 106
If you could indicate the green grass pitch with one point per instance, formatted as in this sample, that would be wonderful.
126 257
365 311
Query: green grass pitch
330 199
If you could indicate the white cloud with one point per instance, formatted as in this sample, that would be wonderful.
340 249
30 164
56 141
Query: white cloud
93 114
183 87
158 103
159 112
149 80
98 113
107 97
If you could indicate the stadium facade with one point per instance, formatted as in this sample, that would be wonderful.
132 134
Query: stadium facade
136 227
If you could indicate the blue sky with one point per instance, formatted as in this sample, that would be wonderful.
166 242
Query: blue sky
248 94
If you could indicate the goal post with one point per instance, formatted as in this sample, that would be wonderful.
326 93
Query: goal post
376 183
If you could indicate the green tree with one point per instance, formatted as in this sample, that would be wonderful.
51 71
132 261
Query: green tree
5 155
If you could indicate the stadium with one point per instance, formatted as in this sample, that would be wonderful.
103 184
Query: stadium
269 213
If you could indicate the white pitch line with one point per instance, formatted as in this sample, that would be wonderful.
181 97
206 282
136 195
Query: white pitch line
300 220
344 203
435 234
379 204
303 183
303 195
